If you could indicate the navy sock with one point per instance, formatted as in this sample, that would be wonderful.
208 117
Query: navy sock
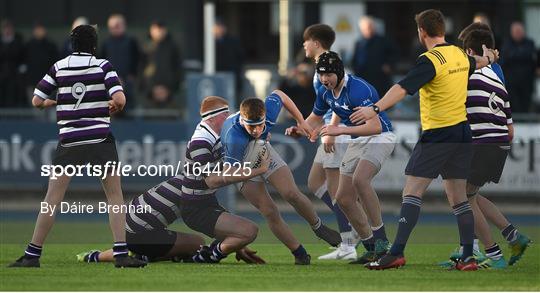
494 252
380 233
509 233
32 251
369 244
94 256
343 222
465 220
410 211
120 249
327 200
217 254
300 251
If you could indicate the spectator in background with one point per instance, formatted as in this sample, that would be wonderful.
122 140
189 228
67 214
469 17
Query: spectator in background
162 72
481 17
40 54
374 56
122 51
11 61
518 60
299 86
229 54
66 47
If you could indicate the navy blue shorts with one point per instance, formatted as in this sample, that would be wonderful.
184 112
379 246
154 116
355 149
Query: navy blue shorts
202 215
487 163
445 151
151 243
94 154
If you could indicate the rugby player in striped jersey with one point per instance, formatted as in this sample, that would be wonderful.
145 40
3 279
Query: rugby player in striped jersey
490 116
88 91
191 195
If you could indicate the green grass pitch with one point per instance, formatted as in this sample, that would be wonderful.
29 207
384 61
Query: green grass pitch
429 244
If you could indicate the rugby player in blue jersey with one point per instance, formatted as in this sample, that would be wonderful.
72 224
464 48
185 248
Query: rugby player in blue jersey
255 120
372 142
323 179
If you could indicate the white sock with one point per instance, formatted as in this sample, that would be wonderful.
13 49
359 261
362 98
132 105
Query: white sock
321 191
476 247
347 239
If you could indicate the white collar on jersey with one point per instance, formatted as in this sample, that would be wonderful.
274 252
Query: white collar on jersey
207 127
81 54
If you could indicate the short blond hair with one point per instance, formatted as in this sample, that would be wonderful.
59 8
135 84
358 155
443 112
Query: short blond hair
212 103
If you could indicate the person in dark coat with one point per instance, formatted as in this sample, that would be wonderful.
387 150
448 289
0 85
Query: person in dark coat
374 56
518 60
40 54
163 68
11 61
229 54
122 51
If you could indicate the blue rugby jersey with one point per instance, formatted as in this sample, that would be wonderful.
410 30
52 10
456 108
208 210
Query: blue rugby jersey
234 136
85 85
317 86
355 92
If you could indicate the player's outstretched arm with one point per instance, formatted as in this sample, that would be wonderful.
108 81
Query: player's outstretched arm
371 127
394 95
295 113
290 106
314 121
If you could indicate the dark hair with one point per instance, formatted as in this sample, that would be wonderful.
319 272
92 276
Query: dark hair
322 33
471 27
432 22
84 39
476 38
252 108
160 23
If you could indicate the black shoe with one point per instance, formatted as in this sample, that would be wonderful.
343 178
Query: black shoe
128 262
184 259
204 255
25 262
367 257
388 261
303 260
330 236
